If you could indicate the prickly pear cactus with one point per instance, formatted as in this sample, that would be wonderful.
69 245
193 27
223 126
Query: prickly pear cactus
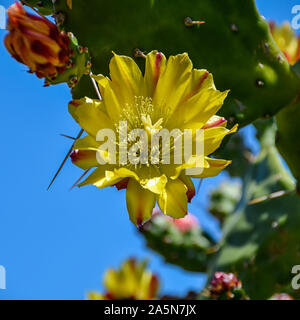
186 247
234 44
260 217
224 199
240 154
78 65
261 239
286 138
44 7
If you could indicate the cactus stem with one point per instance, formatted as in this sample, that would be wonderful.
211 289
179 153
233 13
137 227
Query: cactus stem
189 22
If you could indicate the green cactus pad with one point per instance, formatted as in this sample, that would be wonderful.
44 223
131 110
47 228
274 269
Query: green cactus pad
261 241
287 137
224 199
190 250
45 7
234 44
80 64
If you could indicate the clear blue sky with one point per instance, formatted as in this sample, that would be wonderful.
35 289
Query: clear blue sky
58 244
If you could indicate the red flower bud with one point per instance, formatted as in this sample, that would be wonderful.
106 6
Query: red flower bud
37 43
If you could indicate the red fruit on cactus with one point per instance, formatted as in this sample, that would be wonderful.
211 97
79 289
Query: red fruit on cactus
37 43
281 296
187 223
224 284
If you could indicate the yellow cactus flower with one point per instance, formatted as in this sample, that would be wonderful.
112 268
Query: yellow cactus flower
132 281
287 41
171 96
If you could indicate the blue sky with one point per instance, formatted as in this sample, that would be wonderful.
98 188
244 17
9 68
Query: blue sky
57 244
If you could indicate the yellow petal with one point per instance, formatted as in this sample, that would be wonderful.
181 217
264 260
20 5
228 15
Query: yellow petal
126 173
155 66
173 201
140 202
113 105
155 185
102 177
202 102
199 80
95 296
215 167
190 186
215 121
86 143
151 178
84 159
87 112
173 82
102 82
213 138
125 282
174 171
127 78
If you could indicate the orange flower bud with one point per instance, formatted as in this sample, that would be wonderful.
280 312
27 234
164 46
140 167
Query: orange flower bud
37 43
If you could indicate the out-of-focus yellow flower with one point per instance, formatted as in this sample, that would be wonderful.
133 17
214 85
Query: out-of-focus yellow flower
287 41
37 43
171 95
70 4
132 281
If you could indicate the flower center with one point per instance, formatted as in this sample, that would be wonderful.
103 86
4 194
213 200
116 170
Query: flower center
141 115
150 128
